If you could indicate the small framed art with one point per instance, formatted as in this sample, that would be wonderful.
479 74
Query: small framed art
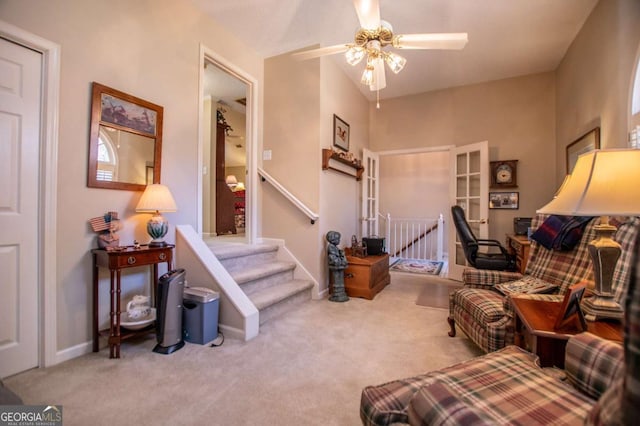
340 133
570 308
585 143
504 200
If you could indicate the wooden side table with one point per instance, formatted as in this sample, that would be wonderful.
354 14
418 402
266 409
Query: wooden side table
116 261
519 246
534 330
366 276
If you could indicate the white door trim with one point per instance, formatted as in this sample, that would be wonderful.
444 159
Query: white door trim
47 256
251 139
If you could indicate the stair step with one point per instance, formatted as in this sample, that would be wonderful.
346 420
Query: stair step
260 277
227 251
264 270
268 282
236 257
274 301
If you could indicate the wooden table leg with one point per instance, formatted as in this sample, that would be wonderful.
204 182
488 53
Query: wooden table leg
117 345
112 314
96 344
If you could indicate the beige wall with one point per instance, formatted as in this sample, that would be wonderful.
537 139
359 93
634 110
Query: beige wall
595 78
300 100
516 116
415 186
340 194
292 134
149 49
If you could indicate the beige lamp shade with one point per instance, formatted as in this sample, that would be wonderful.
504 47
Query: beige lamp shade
156 198
604 182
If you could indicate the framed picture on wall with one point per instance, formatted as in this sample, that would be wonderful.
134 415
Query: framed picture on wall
585 143
504 200
340 133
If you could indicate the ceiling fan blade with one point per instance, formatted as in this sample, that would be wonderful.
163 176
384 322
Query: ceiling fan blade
379 80
368 13
431 41
323 51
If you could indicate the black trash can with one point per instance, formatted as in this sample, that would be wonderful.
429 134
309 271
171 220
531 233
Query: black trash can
200 315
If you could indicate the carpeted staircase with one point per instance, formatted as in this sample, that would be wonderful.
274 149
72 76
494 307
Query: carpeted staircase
268 282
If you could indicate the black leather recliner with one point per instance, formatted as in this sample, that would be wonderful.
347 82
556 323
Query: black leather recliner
502 260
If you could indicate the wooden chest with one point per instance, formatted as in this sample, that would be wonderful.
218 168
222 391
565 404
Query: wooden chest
366 276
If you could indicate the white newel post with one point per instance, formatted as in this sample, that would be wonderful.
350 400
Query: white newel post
440 253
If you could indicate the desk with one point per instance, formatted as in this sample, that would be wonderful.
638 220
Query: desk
534 330
116 261
519 245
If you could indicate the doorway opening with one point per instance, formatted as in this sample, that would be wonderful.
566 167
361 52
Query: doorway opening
227 129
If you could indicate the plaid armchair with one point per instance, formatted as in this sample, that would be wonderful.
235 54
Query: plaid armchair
484 313
601 384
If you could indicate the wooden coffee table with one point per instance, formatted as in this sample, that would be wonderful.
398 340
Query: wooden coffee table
534 330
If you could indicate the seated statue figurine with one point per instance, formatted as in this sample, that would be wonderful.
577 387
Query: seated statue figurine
337 264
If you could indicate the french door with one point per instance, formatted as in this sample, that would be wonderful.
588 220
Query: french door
469 189
370 193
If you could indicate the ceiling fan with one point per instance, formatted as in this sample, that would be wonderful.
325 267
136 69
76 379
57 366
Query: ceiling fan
374 36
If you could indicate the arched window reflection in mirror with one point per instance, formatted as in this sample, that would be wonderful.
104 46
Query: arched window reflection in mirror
107 159
126 141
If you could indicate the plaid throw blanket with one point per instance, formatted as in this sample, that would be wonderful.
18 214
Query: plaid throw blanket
561 232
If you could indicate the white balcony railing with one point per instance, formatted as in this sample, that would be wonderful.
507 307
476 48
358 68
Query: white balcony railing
414 238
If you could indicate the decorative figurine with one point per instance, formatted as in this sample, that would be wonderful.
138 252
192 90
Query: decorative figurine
107 226
337 265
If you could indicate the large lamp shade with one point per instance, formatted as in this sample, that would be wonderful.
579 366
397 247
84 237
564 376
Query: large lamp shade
603 183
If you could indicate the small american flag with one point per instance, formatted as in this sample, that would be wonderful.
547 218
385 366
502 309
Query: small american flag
99 224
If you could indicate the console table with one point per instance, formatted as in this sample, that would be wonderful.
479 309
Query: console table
366 276
534 331
116 261
519 246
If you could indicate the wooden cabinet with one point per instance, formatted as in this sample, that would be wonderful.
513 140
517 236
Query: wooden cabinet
519 246
366 276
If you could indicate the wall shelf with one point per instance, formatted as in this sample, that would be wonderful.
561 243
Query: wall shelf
328 154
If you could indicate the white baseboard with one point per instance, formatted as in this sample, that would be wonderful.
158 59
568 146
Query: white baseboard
73 352
232 332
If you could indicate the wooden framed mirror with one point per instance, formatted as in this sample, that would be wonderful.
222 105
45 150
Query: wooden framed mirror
125 145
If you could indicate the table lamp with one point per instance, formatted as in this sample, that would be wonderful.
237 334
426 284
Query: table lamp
155 199
603 183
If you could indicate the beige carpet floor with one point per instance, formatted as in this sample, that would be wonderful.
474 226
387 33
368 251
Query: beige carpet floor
435 291
305 368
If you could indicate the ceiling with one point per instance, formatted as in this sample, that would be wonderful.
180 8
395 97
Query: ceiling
507 38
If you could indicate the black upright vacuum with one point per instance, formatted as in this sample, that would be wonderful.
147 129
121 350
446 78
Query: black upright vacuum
169 312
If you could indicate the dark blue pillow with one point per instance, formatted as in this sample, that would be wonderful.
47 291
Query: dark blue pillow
561 232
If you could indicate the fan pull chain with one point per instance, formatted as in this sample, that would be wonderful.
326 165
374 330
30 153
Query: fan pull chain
378 99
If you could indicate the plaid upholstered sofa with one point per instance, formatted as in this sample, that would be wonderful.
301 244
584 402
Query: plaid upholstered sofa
600 384
484 313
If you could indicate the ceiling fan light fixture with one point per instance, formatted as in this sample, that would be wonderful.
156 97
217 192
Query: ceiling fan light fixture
395 62
354 55
367 75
